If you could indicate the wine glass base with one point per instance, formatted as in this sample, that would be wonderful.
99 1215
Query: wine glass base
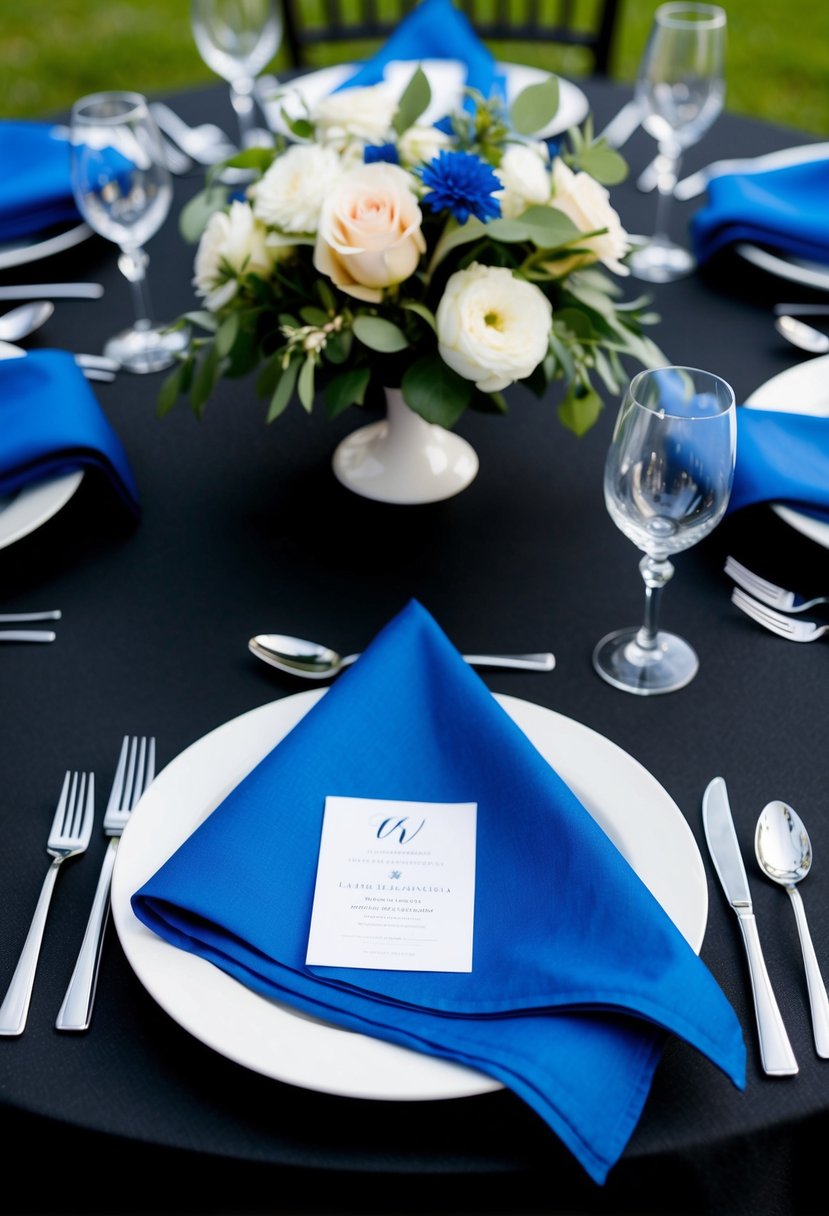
146 350
661 261
622 662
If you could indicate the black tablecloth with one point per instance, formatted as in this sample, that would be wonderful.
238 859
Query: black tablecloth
245 530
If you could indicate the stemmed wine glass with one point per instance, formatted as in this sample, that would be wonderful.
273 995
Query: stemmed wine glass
237 39
667 482
122 188
680 91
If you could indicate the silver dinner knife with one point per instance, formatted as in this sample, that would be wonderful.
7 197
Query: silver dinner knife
775 1049
620 128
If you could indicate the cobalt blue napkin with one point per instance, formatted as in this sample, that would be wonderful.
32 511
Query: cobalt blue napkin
784 210
436 29
783 458
35 181
578 973
51 424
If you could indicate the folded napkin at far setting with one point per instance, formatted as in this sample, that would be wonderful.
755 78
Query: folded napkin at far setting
51 423
782 457
578 974
35 179
784 210
435 29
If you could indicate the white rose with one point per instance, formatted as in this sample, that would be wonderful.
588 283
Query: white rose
419 145
291 193
587 203
492 327
525 175
360 113
369 233
232 244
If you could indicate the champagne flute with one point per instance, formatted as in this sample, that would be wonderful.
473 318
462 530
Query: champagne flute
680 91
667 482
237 39
122 188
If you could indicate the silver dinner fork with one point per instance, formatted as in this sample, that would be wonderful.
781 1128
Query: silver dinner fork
770 593
135 771
69 835
793 628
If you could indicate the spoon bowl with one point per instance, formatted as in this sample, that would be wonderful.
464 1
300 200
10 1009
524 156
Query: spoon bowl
784 854
803 336
22 321
313 661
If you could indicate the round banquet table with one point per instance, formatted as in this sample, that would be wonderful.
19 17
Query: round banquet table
246 530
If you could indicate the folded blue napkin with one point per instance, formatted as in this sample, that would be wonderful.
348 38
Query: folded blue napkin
782 458
51 424
35 181
436 29
578 974
784 210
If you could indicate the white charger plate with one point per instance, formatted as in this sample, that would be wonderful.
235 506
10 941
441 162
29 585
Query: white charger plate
796 270
802 389
446 78
32 249
24 511
631 806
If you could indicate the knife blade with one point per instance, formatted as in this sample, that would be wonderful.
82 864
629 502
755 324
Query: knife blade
43 291
775 1049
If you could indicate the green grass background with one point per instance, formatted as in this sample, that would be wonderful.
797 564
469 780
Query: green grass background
52 51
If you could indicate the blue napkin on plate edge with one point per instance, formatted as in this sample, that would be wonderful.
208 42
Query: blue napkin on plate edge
531 1013
782 457
51 423
35 179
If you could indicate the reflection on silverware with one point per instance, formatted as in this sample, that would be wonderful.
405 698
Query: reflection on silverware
27 635
7 618
790 627
313 661
803 336
775 1049
22 321
69 835
39 291
770 593
205 143
784 854
94 367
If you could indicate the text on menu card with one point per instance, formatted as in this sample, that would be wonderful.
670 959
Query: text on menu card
395 886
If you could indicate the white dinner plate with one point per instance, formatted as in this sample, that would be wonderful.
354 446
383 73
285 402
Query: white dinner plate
796 270
446 78
802 389
27 509
32 249
272 1039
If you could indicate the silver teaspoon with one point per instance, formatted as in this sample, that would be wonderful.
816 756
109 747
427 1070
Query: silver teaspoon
20 322
804 336
313 661
784 854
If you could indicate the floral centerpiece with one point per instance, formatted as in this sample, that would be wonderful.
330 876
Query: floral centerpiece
369 249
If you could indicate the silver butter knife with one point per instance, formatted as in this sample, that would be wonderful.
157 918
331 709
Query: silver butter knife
45 291
775 1049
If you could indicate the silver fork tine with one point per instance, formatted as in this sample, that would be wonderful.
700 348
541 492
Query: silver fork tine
770 593
133 774
785 626
69 835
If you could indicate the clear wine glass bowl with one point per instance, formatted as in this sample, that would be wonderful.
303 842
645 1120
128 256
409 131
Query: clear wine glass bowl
680 90
237 39
123 190
667 482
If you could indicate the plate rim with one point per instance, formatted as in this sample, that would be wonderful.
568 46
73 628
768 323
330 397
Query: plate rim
795 270
14 254
35 505
244 1026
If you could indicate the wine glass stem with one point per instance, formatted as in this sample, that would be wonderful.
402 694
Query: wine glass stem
133 265
241 98
655 573
667 175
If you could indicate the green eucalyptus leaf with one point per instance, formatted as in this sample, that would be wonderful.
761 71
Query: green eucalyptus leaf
227 333
338 346
345 390
434 391
204 379
202 318
603 163
580 409
313 316
269 375
422 311
378 334
413 101
257 158
284 390
535 107
170 391
548 228
195 214
305 384
302 128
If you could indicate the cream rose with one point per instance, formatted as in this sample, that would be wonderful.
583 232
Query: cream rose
419 145
524 172
290 194
369 233
587 203
360 113
232 244
492 327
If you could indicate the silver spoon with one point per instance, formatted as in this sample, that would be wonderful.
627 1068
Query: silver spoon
313 661
22 321
784 854
804 336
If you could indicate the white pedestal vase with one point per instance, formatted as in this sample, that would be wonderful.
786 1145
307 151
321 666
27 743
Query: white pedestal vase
404 459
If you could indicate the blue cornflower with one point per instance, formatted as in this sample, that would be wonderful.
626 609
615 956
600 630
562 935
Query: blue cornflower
462 183
380 152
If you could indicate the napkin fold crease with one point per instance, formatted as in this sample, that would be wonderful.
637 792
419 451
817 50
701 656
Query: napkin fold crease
782 457
51 423
578 973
